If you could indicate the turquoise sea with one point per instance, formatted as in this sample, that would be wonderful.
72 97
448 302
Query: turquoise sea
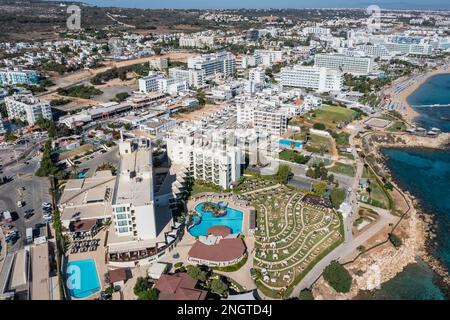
425 173
432 101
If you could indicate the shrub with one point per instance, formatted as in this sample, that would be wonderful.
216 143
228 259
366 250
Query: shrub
395 240
306 294
319 126
338 277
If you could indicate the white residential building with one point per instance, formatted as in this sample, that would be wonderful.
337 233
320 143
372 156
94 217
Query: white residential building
2 128
269 57
266 118
206 160
197 41
317 31
159 63
257 75
223 63
172 86
195 78
18 76
150 82
343 63
27 108
319 79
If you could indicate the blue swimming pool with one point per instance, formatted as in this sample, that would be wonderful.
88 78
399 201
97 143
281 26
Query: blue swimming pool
82 278
232 220
288 143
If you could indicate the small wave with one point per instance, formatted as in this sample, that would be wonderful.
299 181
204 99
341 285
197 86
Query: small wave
431 105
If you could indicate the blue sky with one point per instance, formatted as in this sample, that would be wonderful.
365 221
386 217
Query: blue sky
216 4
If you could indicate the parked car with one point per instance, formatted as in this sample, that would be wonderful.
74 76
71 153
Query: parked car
20 204
7 216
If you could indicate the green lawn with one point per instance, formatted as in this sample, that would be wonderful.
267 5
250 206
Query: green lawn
293 156
199 187
378 197
397 126
331 116
343 168
318 144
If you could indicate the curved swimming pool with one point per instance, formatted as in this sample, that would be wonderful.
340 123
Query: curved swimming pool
232 220
82 278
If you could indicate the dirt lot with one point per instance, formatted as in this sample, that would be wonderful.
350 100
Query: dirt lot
198 114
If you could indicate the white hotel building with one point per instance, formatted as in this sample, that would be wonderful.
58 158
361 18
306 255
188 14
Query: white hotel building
133 202
206 160
223 63
346 64
27 108
318 79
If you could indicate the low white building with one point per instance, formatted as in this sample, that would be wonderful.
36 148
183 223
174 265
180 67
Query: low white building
195 78
150 82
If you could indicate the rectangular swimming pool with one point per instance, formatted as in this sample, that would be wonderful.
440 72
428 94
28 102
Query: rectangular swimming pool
82 278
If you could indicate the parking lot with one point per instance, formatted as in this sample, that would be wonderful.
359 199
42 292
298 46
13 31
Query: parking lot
32 191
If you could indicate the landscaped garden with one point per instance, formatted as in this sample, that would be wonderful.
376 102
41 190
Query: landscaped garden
291 236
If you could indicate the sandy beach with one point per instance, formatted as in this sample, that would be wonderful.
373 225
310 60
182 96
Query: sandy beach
413 83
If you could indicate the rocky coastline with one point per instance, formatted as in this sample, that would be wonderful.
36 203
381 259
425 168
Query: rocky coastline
384 262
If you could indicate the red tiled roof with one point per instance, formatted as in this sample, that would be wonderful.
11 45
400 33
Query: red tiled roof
222 231
179 286
118 275
224 250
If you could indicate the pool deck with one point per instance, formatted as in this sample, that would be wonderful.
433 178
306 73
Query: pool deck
99 257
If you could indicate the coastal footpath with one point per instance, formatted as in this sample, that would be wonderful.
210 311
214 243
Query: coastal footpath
382 261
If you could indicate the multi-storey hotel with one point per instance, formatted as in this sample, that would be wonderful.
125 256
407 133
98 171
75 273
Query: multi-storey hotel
343 63
214 63
27 108
319 79
18 76
213 162
138 202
